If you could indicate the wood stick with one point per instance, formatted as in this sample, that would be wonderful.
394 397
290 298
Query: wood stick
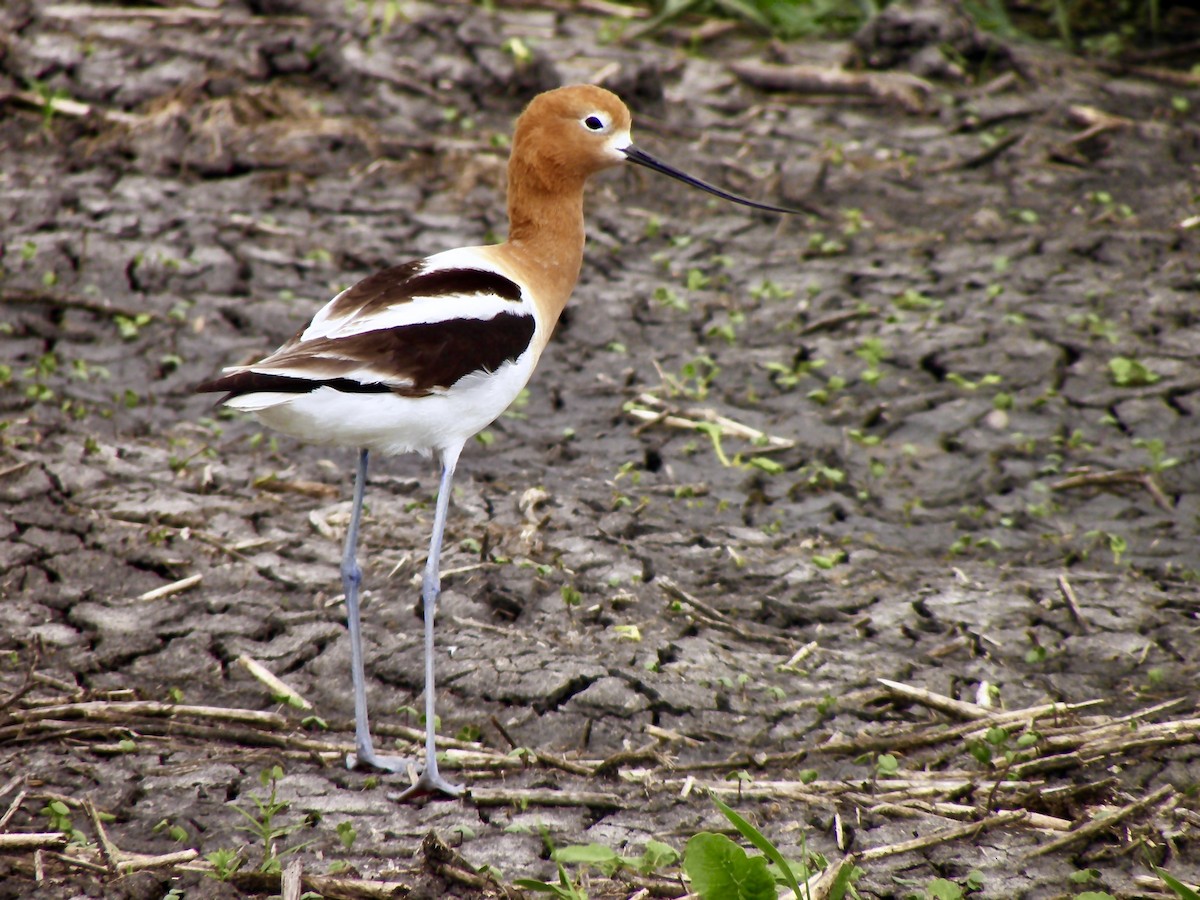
104 710
32 840
137 862
942 837
175 587
957 708
544 797
277 686
1068 594
907 91
1095 826
291 883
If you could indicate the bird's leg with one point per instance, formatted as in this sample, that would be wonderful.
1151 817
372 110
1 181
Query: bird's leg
430 780
351 584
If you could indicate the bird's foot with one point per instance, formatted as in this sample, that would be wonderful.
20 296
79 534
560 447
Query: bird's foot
430 781
367 758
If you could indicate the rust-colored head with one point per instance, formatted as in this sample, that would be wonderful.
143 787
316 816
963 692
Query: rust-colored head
567 134
572 132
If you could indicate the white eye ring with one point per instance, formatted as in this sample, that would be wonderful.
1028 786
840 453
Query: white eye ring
595 122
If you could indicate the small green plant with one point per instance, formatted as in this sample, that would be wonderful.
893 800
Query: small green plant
263 825
943 889
914 301
769 290
997 745
225 863
967 385
666 297
1117 545
518 49
787 377
130 327
59 816
873 352
50 98
1126 372
1095 325
565 889
828 561
1156 450
694 378
886 765
177 833
721 870
727 330
571 596
654 857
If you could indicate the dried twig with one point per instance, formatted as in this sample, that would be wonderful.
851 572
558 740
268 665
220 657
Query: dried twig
828 323
290 883
184 16
907 91
109 852
139 862
716 619
1068 594
14 805
277 686
32 840
121 711
651 410
944 836
1096 825
542 797
64 106
957 708
175 587
316 489
1089 478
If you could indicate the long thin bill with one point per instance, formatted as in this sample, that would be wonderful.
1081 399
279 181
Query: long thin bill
634 155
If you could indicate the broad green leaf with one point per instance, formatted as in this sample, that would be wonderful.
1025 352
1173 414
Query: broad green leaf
657 855
721 870
756 837
597 855
943 889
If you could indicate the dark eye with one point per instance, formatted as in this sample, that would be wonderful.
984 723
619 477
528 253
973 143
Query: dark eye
595 123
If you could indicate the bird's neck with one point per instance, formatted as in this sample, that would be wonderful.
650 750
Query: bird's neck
545 239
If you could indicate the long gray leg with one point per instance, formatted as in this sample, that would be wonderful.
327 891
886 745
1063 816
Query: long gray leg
430 780
352 584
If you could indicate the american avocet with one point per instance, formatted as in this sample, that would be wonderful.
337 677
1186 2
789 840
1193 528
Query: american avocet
423 356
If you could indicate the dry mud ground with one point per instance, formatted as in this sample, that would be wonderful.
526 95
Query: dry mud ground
977 370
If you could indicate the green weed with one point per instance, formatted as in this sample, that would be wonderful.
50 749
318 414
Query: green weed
263 823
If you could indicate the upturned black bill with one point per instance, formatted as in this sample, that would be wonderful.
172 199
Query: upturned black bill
634 155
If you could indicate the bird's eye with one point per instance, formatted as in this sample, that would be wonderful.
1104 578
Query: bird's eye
594 123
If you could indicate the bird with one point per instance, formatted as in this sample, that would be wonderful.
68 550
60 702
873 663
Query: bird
422 356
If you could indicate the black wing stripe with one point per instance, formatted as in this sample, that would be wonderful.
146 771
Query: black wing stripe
415 360
401 284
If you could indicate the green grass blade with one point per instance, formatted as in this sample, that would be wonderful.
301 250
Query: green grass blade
1184 892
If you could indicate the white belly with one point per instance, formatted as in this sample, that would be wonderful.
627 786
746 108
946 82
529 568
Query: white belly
389 423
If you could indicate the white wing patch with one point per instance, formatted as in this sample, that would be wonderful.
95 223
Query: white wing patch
420 309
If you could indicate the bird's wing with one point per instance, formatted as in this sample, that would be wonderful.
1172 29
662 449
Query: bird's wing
412 329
